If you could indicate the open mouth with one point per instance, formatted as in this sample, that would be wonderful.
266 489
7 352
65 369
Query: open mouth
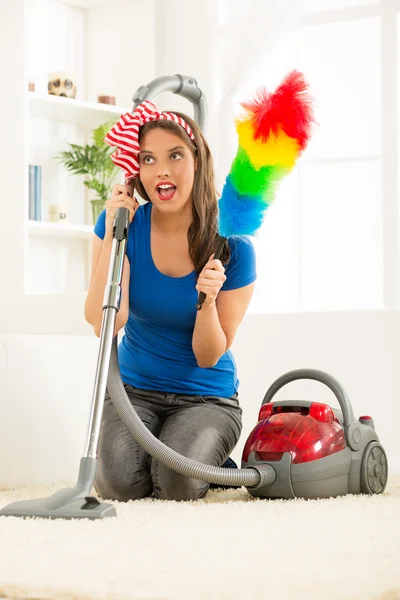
166 191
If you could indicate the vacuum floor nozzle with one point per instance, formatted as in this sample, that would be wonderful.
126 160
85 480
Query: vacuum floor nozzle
68 503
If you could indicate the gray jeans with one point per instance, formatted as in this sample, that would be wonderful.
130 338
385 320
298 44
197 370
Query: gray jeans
204 428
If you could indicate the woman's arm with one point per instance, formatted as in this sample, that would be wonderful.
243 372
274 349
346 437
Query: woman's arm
209 340
221 314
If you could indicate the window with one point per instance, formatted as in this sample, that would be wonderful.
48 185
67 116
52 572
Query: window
340 178
320 5
331 240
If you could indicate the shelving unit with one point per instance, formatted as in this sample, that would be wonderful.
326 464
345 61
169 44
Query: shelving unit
46 278
80 114
95 3
69 110
67 37
60 243
62 230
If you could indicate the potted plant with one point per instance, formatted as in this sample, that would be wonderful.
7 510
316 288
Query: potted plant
94 161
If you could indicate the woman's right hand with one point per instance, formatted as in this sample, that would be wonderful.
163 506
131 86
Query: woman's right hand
120 198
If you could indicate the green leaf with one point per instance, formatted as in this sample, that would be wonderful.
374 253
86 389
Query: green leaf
99 188
92 160
101 131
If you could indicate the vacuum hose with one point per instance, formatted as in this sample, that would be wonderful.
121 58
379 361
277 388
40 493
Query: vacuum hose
249 477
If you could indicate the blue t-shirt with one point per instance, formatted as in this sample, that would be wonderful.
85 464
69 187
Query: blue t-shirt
156 351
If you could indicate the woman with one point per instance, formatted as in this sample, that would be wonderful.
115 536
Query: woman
175 361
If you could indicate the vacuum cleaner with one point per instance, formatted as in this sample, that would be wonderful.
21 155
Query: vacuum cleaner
298 448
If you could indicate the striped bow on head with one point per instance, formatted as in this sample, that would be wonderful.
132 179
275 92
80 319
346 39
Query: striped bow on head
125 136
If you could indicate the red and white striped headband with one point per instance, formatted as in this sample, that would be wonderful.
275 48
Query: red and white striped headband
125 135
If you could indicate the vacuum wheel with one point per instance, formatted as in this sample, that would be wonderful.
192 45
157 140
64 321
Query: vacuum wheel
374 469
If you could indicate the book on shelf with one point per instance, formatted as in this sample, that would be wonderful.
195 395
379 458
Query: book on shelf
35 193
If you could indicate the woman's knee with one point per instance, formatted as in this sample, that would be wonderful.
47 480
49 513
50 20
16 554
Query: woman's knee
123 467
169 485
122 484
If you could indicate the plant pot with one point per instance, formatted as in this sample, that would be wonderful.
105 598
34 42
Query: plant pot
97 208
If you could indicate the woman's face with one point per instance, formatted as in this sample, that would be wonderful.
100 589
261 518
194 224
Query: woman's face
167 168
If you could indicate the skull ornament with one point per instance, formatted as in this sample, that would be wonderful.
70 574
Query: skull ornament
62 84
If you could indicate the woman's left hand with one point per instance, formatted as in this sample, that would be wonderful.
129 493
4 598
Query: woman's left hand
211 280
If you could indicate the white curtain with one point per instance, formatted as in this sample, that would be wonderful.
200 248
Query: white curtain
252 35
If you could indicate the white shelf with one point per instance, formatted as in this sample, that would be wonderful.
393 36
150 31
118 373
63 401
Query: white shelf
60 230
71 110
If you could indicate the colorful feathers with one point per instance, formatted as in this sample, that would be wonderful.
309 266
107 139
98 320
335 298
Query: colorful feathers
272 135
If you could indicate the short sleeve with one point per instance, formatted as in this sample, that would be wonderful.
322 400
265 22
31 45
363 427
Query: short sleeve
100 226
241 269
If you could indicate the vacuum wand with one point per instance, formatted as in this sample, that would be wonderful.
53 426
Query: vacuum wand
111 304
217 254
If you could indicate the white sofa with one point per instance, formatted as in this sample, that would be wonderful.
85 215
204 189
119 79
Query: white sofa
46 386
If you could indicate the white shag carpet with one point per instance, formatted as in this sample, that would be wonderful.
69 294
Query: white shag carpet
226 546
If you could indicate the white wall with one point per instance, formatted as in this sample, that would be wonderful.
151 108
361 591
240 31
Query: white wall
12 150
185 43
120 50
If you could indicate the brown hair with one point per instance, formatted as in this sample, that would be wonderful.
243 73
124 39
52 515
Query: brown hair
202 234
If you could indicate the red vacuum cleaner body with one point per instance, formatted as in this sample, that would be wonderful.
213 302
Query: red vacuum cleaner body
315 450
307 433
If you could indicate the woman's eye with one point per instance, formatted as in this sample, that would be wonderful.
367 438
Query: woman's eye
176 156
147 160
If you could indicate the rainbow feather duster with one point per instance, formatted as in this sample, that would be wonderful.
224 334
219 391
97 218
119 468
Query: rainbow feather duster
273 133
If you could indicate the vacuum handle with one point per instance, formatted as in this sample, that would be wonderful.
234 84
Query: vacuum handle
316 375
183 85
121 224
